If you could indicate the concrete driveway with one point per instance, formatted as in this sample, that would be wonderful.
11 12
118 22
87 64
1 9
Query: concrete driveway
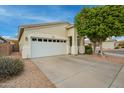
75 72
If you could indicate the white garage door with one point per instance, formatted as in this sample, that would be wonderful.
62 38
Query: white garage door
41 47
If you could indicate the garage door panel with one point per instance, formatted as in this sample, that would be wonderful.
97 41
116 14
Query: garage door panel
42 49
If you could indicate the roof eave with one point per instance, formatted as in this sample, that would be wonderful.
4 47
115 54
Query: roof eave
22 27
21 30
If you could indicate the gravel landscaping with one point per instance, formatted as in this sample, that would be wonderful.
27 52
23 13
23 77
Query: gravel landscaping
32 77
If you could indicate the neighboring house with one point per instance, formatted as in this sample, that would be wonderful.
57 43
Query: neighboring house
2 40
119 44
40 40
15 45
109 44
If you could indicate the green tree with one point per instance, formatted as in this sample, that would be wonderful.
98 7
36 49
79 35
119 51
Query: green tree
99 23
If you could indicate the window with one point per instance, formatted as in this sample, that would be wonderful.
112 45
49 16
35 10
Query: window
45 40
54 40
64 41
34 39
50 40
40 40
61 41
57 40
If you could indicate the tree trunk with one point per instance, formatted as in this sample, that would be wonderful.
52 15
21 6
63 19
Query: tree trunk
94 48
101 49
82 45
83 40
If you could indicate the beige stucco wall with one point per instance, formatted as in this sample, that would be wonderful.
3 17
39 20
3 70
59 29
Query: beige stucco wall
108 45
24 46
56 31
73 49
22 42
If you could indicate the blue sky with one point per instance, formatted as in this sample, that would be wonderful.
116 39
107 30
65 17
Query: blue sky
13 16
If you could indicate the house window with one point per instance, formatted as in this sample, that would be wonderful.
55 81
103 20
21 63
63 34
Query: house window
54 40
34 39
40 40
64 41
57 40
61 41
45 40
49 40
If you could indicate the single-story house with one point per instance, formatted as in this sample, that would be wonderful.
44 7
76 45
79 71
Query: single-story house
40 40
119 44
2 40
109 44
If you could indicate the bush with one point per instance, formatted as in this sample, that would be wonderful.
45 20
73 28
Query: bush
10 67
117 47
122 47
88 50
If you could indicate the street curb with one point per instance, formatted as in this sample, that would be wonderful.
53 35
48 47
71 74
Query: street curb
113 54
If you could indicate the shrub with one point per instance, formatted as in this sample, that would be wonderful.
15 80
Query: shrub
88 50
10 67
117 47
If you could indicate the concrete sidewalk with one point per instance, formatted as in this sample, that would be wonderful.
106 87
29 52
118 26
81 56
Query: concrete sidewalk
114 54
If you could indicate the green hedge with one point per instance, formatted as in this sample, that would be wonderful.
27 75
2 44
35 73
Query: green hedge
117 47
88 49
